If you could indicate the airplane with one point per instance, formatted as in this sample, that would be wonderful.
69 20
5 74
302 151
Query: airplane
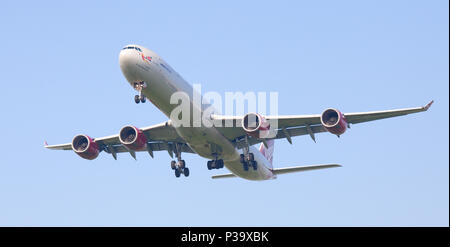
230 147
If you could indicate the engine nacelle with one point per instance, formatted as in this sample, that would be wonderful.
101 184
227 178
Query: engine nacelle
133 138
255 125
85 147
334 121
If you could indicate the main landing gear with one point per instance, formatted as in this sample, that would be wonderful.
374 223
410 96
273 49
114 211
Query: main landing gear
139 86
248 162
247 159
215 164
180 166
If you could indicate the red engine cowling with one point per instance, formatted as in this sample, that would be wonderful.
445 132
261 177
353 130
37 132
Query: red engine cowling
334 121
133 138
85 147
255 125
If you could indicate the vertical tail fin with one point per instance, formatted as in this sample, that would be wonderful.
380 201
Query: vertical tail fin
268 152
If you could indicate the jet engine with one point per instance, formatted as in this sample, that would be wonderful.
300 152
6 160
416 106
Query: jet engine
255 125
334 121
133 138
85 147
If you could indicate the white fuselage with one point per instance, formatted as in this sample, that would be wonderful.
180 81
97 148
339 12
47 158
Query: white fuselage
161 83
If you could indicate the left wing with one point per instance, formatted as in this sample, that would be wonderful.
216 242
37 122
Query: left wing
296 125
352 118
160 137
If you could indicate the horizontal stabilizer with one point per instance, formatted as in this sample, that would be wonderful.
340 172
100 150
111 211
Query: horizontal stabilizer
228 175
303 168
287 170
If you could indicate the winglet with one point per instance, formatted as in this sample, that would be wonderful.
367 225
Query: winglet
45 143
428 105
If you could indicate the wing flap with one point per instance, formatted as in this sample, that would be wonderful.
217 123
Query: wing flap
154 146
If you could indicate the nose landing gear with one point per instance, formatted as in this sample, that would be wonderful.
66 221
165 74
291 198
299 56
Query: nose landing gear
139 98
139 86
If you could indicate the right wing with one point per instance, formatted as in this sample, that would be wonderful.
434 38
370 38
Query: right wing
286 170
160 137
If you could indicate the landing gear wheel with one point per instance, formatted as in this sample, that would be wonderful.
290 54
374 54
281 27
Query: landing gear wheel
186 172
251 157
242 158
254 165
182 164
137 99
220 164
177 173
245 166
172 164
142 98
208 164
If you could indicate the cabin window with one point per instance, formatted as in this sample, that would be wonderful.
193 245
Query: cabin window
132 47
164 66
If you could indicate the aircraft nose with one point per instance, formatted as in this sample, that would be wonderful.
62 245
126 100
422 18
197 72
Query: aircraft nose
126 58
127 61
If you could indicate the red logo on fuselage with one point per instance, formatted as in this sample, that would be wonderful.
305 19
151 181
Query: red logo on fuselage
147 59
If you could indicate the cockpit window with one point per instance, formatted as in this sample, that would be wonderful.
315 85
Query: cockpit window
132 47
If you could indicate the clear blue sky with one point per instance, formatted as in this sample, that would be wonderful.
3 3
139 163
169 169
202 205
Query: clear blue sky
60 77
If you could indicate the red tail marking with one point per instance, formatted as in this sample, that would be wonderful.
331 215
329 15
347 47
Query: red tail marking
268 152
